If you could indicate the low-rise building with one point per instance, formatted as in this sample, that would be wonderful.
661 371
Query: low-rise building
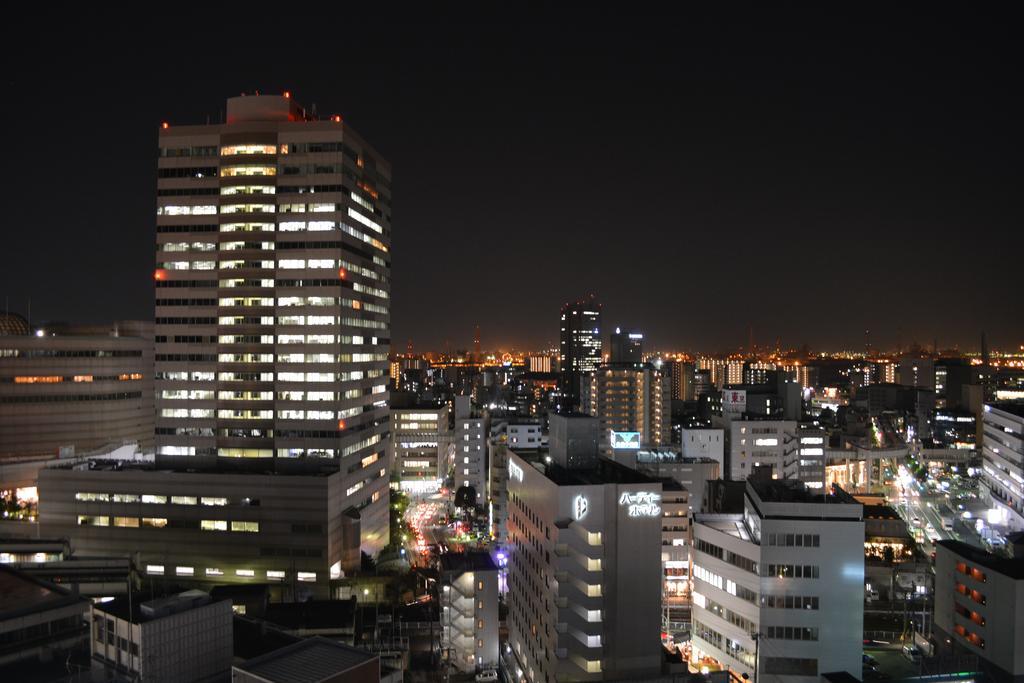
179 638
38 619
74 387
704 442
315 660
212 527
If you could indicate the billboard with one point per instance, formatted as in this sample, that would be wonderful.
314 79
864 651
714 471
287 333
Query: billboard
734 400
625 440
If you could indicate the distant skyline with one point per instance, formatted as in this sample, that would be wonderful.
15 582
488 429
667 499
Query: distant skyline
810 173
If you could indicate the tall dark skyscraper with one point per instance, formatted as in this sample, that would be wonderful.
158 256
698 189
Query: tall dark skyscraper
580 346
627 347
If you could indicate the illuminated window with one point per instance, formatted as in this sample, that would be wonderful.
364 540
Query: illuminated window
92 520
249 573
245 526
231 150
126 521
158 522
213 525
306 576
214 571
235 171
275 575
155 569
150 498
185 571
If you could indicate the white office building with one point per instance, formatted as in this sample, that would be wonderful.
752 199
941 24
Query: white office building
1003 453
700 442
419 441
782 582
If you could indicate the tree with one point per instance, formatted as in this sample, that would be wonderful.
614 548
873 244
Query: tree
465 497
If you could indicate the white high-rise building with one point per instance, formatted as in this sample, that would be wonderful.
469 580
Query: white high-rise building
782 581
585 571
272 298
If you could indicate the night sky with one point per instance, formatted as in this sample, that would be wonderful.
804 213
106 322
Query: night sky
810 173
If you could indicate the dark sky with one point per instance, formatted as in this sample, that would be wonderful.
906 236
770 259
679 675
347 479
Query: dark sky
806 172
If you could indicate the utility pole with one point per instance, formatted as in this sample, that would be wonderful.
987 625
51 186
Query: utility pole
757 653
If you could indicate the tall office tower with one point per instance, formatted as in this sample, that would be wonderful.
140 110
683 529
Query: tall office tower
579 347
778 584
633 404
627 347
272 286
585 571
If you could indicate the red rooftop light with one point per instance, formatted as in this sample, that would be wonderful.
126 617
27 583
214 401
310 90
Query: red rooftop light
341 424
336 118
342 273
287 94
159 274
165 125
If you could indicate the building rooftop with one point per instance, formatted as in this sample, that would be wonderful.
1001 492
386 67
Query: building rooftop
1011 407
670 456
1013 568
604 472
21 594
307 661
880 512
152 610
467 562
313 614
795 491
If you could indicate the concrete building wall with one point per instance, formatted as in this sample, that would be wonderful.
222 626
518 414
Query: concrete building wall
280 528
81 391
979 610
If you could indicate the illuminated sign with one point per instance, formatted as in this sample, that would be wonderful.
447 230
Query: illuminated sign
515 471
625 440
642 503
580 506
734 400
